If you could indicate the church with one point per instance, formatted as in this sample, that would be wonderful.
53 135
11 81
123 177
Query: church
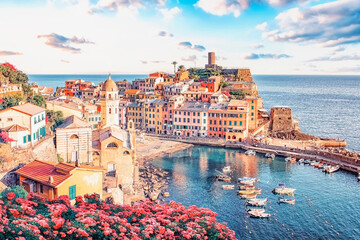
108 147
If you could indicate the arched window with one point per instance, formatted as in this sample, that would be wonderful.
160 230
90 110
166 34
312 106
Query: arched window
74 136
112 145
109 110
126 153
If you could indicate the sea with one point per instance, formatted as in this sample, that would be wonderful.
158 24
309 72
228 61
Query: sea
327 206
325 106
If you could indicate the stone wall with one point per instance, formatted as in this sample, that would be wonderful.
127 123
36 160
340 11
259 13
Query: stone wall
282 120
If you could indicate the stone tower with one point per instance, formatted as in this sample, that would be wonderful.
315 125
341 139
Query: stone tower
109 101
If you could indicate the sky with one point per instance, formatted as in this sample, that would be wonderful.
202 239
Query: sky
143 36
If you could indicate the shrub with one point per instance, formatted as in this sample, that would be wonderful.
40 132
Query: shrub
19 192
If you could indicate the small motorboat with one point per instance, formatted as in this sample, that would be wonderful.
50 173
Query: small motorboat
319 164
313 163
331 169
301 160
248 182
293 160
249 196
257 214
284 190
287 159
250 153
307 161
246 187
258 202
288 201
226 169
247 179
246 192
270 155
223 178
261 210
228 187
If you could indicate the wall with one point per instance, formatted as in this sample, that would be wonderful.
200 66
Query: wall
281 120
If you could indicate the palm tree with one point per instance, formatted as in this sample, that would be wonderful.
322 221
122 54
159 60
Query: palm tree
174 63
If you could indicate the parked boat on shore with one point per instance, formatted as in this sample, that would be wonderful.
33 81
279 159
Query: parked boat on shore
307 161
290 159
284 190
301 160
250 153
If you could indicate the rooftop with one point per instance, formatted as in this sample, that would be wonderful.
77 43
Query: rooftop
29 109
73 122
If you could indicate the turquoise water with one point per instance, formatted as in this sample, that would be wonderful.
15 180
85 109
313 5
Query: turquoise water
326 106
336 197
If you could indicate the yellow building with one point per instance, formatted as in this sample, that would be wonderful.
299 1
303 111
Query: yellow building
51 180
255 103
136 113
153 116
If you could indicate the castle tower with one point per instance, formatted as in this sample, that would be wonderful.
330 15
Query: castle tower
211 58
109 101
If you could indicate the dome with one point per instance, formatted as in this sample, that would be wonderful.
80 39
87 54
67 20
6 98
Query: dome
109 85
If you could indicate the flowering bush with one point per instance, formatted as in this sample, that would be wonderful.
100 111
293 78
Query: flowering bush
91 218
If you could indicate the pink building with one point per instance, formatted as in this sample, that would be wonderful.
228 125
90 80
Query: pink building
122 113
168 113
191 119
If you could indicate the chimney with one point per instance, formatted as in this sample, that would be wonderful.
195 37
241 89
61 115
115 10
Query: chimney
51 179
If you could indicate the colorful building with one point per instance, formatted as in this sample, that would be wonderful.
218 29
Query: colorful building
136 114
191 119
181 76
51 180
153 116
255 103
213 83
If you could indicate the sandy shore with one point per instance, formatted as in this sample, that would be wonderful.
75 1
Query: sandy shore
154 147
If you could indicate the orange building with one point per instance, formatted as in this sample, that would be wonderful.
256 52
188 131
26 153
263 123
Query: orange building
181 76
51 180
213 83
224 118
255 103
159 74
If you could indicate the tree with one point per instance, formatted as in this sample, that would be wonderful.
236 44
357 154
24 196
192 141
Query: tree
19 191
238 94
56 118
224 84
181 68
11 101
174 63
38 100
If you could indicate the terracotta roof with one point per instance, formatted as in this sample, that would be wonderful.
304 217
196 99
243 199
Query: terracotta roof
15 128
65 167
132 91
73 122
109 85
41 171
28 109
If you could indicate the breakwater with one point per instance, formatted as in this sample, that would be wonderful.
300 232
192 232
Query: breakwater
351 164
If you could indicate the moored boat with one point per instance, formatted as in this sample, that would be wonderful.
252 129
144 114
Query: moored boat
228 187
250 153
257 214
319 165
246 187
247 182
358 176
258 202
245 192
226 169
256 210
287 159
307 161
293 160
249 196
223 178
247 179
301 160
313 163
284 190
331 169
288 201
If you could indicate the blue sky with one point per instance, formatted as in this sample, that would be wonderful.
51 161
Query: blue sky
141 36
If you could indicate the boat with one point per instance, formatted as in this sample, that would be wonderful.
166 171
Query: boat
287 159
226 169
284 190
319 165
257 214
307 161
247 179
249 196
331 169
322 166
245 192
258 202
267 155
293 160
288 201
261 210
246 187
250 153
270 155
247 182
301 160
223 178
228 187
358 176
313 163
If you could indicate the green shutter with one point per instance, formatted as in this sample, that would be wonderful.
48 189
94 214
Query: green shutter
72 192
29 138
24 139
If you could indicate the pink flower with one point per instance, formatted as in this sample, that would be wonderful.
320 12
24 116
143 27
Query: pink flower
10 195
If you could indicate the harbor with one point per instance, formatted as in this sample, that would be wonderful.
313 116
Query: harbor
316 212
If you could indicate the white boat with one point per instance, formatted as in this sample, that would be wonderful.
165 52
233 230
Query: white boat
313 163
261 210
358 176
307 161
247 182
270 155
257 214
250 153
287 159
258 202
284 190
288 201
301 160
331 169
226 169
228 187
247 179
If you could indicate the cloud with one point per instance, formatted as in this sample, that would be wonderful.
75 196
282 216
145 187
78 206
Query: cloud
254 56
165 34
189 58
115 5
9 53
189 45
281 3
157 61
337 58
262 27
143 62
169 14
256 46
223 7
58 41
329 24
64 61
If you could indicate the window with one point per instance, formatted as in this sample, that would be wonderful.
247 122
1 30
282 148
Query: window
10 119
72 192
109 110
230 123
224 122
214 121
111 145
41 188
235 123
252 107
198 121
240 123
24 139
29 138
204 121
